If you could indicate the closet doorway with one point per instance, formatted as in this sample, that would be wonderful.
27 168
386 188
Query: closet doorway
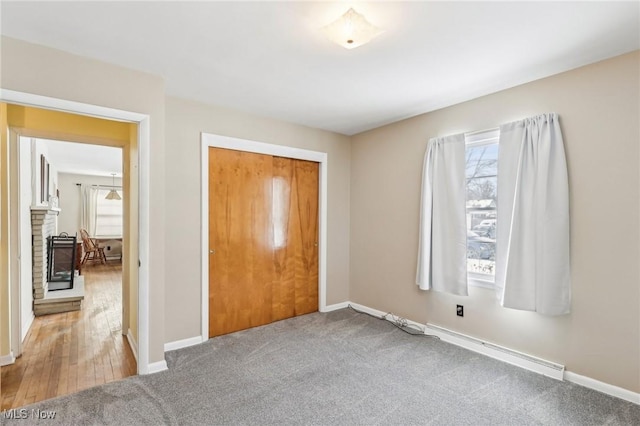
263 239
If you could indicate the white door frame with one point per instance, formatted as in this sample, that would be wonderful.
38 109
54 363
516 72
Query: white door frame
142 120
24 258
210 140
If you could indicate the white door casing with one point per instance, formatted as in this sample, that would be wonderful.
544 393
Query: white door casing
142 120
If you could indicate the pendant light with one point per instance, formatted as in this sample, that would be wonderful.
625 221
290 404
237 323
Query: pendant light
113 194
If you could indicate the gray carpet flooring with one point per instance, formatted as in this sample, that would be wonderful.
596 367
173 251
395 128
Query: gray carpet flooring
340 368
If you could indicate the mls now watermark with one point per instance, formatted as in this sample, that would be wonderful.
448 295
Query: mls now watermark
23 414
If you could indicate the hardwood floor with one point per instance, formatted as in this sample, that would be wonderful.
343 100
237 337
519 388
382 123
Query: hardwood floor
67 352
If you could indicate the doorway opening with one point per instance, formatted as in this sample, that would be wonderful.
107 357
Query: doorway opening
130 139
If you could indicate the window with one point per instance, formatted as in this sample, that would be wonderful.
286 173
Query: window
109 216
481 161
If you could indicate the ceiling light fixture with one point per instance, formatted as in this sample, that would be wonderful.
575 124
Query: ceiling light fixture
351 30
113 194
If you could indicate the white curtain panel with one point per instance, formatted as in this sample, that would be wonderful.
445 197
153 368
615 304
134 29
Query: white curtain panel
532 247
442 250
88 208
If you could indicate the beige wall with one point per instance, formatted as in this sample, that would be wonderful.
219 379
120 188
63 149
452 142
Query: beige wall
374 181
599 112
49 72
185 121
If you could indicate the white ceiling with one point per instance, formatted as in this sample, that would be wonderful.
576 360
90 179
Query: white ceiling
83 159
271 58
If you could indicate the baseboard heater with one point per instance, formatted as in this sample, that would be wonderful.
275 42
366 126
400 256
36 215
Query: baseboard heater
538 365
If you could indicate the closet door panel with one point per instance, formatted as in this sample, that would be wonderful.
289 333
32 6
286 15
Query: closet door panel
284 239
240 234
305 228
263 237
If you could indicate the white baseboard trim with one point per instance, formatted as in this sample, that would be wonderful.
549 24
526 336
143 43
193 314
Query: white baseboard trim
513 357
7 359
27 326
364 309
133 344
381 313
335 307
599 386
501 353
156 367
184 343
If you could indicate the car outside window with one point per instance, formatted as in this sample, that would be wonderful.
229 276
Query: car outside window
481 161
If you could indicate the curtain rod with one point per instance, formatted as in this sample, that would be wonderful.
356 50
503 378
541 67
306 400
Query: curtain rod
102 186
475 132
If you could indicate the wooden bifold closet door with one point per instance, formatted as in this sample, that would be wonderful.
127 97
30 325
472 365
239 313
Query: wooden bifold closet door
263 233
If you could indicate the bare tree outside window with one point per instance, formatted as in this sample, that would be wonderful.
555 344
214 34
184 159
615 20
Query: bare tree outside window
481 176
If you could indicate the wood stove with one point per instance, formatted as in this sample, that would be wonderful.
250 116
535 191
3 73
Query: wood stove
61 260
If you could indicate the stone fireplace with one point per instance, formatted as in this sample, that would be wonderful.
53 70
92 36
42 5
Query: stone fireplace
43 226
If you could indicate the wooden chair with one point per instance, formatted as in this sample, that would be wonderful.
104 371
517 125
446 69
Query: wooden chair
91 250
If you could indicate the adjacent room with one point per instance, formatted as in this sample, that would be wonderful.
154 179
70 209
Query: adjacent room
70 219
320 212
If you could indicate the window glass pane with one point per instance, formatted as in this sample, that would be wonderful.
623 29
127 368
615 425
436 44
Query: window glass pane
481 173
109 215
482 160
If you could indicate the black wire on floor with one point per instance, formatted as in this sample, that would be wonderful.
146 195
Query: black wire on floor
398 322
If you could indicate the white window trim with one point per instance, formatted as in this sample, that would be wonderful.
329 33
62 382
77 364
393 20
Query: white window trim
476 139
476 280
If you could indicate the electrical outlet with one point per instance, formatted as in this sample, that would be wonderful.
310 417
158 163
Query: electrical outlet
460 310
